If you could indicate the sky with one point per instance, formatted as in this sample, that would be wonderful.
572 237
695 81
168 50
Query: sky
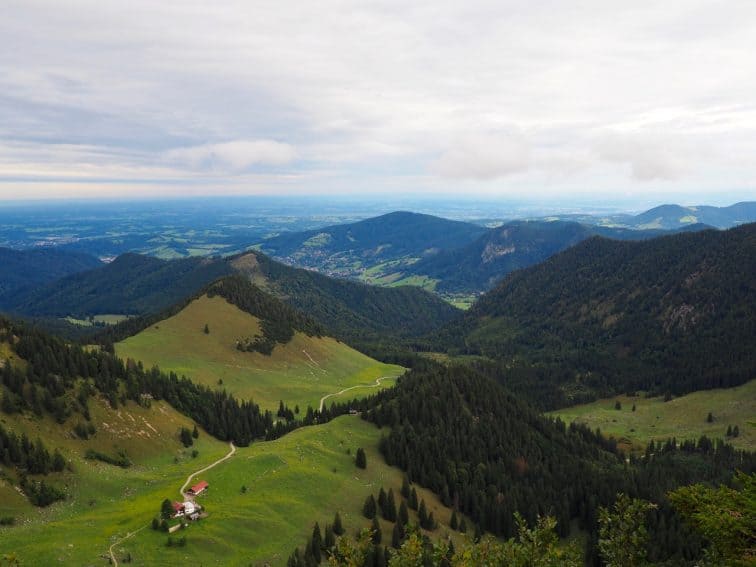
539 100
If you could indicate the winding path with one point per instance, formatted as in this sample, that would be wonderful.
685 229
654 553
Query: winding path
207 468
377 383
230 454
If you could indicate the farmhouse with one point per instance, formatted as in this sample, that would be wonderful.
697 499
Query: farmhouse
186 509
198 488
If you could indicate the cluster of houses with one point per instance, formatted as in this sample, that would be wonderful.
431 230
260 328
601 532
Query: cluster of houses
190 509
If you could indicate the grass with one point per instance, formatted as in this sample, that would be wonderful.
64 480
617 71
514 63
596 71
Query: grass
682 418
102 501
304 477
300 372
108 319
292 482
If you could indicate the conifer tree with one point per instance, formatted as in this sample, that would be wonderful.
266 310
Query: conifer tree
330 539
390 506
405 487
361 458
454 523
338 529
422 514
396 536
463 526
368 510
316 542
195 432
413 499
376 534
166 510
403 514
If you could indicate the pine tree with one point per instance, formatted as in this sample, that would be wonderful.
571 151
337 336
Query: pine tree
403 514
195 432
338 529
453 523
368 510
316 542
396 536
463 526
330 539
729 431
405 487
376 532
710 418
361 458
735 431
382 501
390 507
413 499
206 329
422 514
166 510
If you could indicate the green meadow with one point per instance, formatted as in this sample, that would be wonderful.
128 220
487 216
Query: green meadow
683 418
300 372
290 483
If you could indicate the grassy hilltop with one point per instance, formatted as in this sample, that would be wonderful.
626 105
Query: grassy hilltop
299 372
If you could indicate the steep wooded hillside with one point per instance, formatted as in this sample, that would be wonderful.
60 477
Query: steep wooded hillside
25 269
481 264
672 314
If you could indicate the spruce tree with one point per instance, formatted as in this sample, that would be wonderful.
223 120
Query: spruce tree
710 417
382 501
413 499
338 529
330 539
316 542
195 432
396 536
390 506
403 514
454 523
368 510
361 458
463 526
405 487
166 509
376 533
422 514
206 329
380 557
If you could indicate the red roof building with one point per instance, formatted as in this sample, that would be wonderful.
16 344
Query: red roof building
199 488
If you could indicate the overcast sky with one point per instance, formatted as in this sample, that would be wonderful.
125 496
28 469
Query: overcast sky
518 99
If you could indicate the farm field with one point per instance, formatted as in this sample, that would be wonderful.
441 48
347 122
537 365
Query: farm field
300 372
683 418
303 477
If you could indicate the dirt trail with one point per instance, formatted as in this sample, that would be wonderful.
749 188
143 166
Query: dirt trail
207 468
230 454
377 383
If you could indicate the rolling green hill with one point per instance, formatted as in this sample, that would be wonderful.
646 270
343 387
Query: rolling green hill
382 243
673 314
299 372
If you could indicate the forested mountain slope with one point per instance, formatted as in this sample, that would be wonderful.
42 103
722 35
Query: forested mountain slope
350 249
676 216
131 284
673 314
488 454
140 285
479 265
24 269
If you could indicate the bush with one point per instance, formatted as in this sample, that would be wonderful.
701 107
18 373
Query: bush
7 521
120 460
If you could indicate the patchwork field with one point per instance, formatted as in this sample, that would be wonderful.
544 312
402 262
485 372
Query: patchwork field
683 418
304 477
299 373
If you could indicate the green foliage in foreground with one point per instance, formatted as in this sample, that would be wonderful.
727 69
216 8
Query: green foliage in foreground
537 546
725 516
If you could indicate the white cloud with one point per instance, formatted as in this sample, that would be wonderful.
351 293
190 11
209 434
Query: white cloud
484 156
518 98
232 157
